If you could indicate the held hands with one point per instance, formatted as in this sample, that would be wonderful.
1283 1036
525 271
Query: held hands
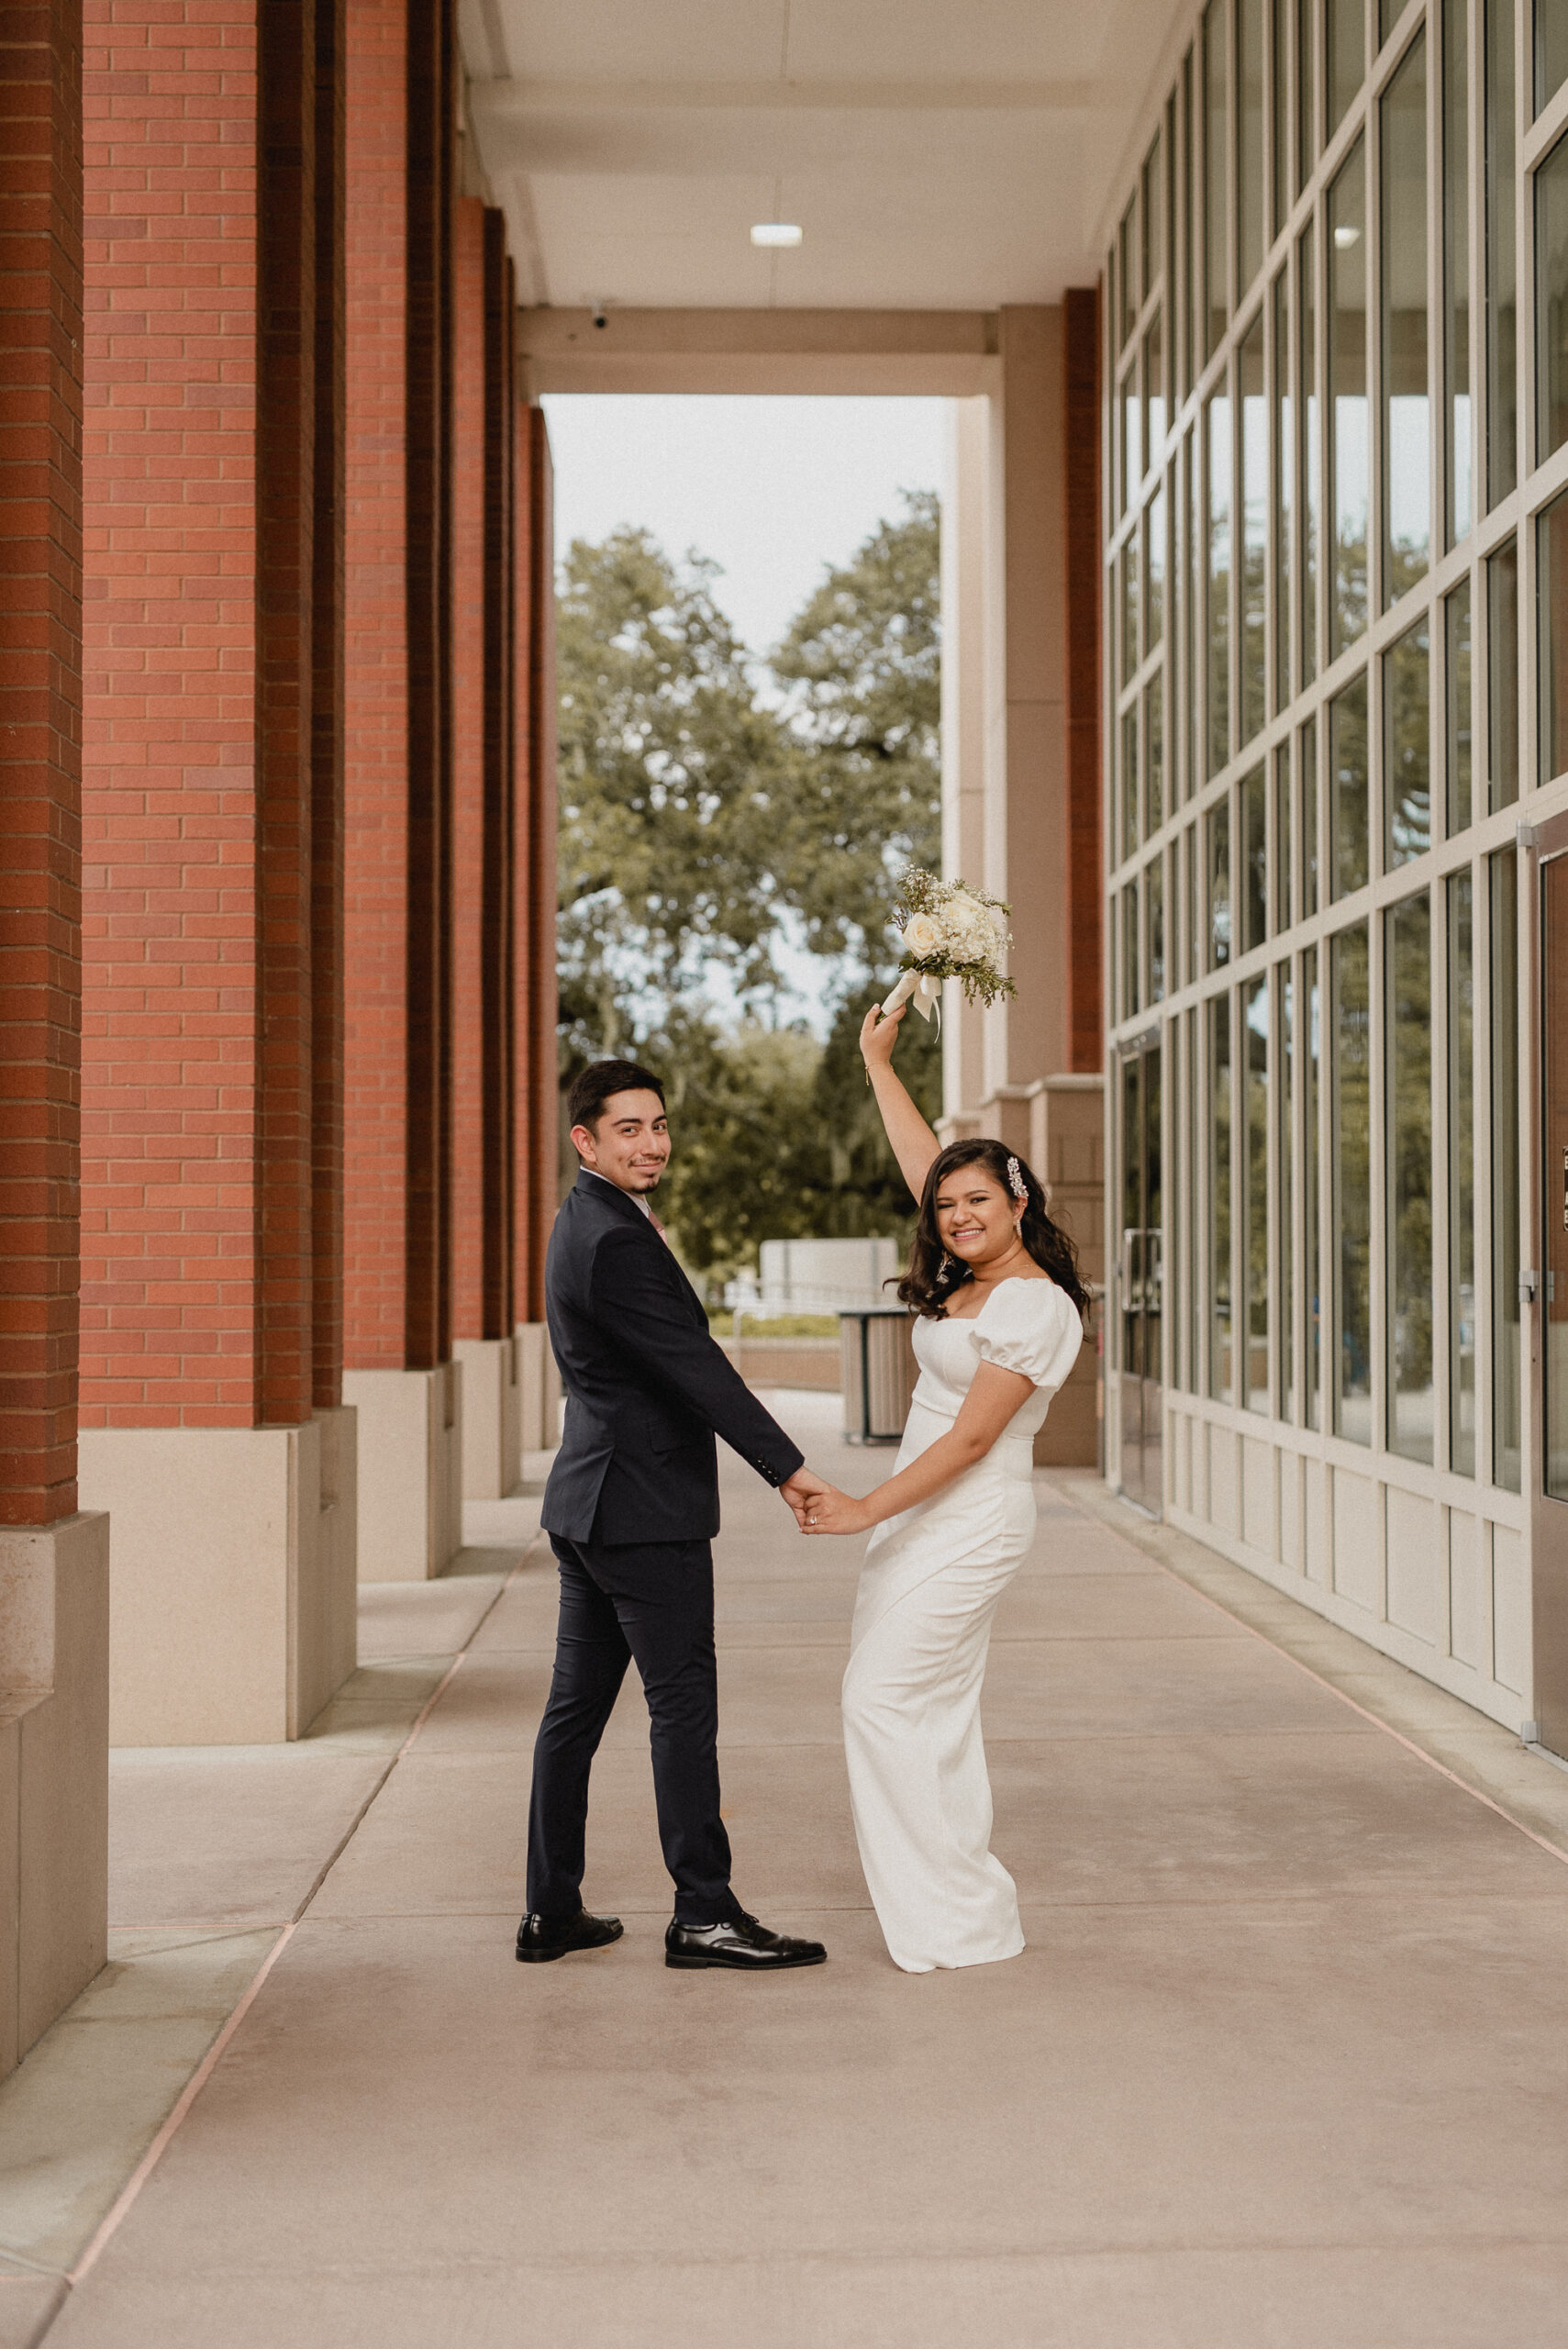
820 1507
879 1034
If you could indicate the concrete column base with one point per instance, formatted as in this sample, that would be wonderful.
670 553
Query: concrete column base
54 1772
538 1385
410 1522
491 1416
233 1616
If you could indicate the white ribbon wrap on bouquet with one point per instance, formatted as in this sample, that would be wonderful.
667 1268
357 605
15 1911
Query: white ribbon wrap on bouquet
925 991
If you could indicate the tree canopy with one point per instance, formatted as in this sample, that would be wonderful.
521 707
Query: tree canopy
706 812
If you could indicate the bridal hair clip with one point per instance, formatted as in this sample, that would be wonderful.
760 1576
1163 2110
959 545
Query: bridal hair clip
1016 1184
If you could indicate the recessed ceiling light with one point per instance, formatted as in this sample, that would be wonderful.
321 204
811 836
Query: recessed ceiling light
775 232
1346 238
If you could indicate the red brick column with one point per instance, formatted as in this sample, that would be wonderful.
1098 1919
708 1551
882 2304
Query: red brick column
398 688
327 709
539 1092
40 753
469 684
211 820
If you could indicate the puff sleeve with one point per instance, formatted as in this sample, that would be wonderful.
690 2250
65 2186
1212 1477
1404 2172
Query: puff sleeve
1031 1327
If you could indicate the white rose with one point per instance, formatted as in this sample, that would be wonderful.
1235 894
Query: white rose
922 935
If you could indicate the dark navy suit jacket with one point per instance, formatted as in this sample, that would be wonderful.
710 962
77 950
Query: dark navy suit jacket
647 1388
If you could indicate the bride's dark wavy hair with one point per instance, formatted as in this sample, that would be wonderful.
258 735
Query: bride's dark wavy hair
934 1277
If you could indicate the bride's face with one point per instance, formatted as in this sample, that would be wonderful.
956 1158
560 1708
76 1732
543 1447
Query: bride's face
976 1218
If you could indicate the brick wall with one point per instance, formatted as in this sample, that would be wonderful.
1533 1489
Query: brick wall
201 764
499 910
169 1086
40 592
538 1092
327 704
375 692
469 689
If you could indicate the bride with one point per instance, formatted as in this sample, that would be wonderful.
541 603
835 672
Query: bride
995 1285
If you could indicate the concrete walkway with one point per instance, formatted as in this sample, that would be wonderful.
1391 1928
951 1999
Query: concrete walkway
1283 2067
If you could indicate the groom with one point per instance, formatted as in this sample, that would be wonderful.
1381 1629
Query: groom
631 1509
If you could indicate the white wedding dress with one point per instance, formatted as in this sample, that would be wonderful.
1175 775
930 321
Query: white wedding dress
927 1592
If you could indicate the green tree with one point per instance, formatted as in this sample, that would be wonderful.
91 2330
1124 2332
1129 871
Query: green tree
669 769
698 814
863 665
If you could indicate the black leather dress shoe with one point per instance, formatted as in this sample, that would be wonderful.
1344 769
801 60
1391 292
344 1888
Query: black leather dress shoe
740 1943
542 1938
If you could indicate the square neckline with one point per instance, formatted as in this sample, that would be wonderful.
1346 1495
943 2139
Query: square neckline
962 1321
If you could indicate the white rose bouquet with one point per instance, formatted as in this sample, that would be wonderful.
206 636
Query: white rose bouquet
950 932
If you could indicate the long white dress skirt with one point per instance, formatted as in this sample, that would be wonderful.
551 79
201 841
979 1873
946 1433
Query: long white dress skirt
918 1784
928 1592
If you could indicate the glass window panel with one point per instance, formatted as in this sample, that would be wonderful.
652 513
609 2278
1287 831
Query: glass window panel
1456 622
1283 915
1504 1041
1309 819
1406 494
1388 15
1127 278
1129 584
1346 397
1552 1336
1153 392
1131 828
1218 867
1550 50
1251 215
1279 113
1346 63
1551 575
1352 1186
1251 802
1348 782
1219 1199
1408 747
1312 1268
1305 92
1154 754
1215 265
1191 212
1154 571
1187 883
1551 298
1131 994
1501 291
1311 448
1502 674
1255 1244
1407 1011
1217 693
1131 435
1153 218
1154 898
1461 969
1286 1213
1253 678
1284 476
1191 1168
1192 625
1456 267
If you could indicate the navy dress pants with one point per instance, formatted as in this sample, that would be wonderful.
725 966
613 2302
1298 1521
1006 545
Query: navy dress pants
652 1601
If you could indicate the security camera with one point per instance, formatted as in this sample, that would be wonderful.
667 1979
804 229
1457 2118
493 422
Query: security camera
599 318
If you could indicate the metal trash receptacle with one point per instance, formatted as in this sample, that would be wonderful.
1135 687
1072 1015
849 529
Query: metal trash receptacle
879 1372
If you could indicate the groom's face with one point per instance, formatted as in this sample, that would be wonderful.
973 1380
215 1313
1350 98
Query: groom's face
631 1142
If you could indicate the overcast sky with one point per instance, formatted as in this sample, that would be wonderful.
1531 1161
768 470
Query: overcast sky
772 489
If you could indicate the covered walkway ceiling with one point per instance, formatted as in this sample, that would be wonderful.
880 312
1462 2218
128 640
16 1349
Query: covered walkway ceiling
938 154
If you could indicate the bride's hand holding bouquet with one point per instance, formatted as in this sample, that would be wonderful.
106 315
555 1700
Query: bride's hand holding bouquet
949 932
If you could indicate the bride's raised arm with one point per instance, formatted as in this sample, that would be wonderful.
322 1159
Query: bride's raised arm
914 1143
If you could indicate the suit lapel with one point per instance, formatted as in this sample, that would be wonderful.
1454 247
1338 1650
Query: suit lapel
595 1187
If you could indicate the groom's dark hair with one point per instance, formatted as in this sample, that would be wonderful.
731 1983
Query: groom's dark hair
593 1086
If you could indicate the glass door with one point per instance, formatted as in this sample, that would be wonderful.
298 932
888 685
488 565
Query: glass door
1141 1279
1550 1511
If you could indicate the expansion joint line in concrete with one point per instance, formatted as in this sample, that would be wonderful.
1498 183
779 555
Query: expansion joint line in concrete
116 2217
